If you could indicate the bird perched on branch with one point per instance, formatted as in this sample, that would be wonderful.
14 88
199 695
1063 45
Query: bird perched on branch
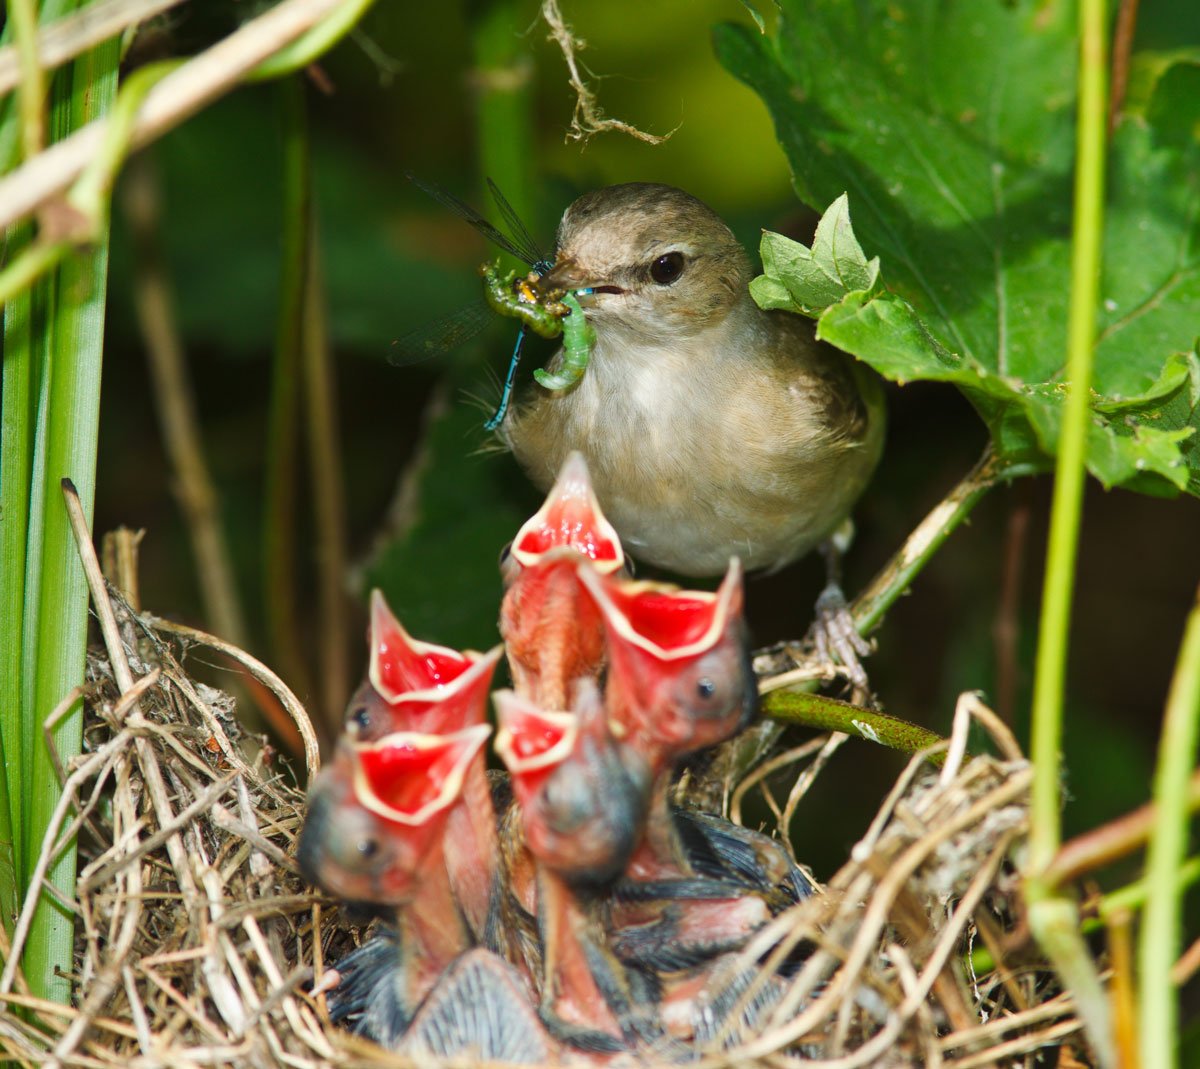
711 428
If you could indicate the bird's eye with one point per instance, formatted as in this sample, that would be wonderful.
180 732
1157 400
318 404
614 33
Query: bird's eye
666 269
705 687
367 847
360 719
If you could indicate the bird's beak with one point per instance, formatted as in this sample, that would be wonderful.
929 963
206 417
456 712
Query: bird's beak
566 274
668 623
531 742
570 518
428 688
410 779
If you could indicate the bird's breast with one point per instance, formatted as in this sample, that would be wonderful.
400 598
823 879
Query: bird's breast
696 453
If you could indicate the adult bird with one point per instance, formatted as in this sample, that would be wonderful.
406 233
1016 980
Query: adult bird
711 428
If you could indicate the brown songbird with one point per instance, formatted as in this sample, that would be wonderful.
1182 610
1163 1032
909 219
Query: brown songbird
711 428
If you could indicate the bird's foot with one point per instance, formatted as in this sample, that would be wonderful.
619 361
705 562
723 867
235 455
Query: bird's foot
835 641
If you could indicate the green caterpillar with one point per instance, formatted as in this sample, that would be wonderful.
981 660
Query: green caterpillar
514 296
578 338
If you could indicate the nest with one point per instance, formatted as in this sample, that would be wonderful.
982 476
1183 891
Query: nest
198 942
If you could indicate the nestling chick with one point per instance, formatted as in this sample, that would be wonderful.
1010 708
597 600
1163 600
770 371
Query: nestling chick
711 428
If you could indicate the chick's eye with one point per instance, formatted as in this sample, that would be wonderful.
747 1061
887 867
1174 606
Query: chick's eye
666 269
360 718
705 687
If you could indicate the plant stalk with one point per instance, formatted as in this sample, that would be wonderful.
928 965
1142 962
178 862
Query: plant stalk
283 427
1162 918
829 714
1055 919
32 91
56 635
870 607
502 80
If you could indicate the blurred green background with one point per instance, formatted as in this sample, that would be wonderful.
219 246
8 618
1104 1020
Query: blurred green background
400 96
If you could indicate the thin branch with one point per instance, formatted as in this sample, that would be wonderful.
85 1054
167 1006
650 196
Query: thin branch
329 498
1103 845
176 410
870 607
1006 626
1127 12
830 714
30 75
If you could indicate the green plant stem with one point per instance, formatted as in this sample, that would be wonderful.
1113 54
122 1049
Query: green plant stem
504 117
92 193
17 418
1054 920
12 128
30 264
329 498
830 714
1161 919
90 196
283 430
23 14
313 44
1067 507
1124 899
1133 895
55 637
870 607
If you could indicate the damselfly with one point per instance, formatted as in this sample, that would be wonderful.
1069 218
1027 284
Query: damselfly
509 295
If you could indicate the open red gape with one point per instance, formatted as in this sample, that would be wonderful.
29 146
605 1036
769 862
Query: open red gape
662 620
531 741
670 619
408 777
428 688
400 664
570 519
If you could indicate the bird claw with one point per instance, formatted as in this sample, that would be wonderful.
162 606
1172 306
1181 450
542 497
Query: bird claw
836 641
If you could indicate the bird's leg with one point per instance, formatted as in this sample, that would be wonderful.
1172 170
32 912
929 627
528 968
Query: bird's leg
834 638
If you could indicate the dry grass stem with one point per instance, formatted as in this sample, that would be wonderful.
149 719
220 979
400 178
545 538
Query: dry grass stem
177 97
66 38
588 119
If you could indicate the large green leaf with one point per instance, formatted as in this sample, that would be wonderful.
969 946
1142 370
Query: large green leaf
950 127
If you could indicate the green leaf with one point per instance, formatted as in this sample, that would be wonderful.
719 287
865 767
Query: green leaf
818 277
756 15
950 126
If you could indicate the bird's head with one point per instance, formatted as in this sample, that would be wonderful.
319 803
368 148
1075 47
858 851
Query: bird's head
583 799
661 264
417 686
679 672
378 810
